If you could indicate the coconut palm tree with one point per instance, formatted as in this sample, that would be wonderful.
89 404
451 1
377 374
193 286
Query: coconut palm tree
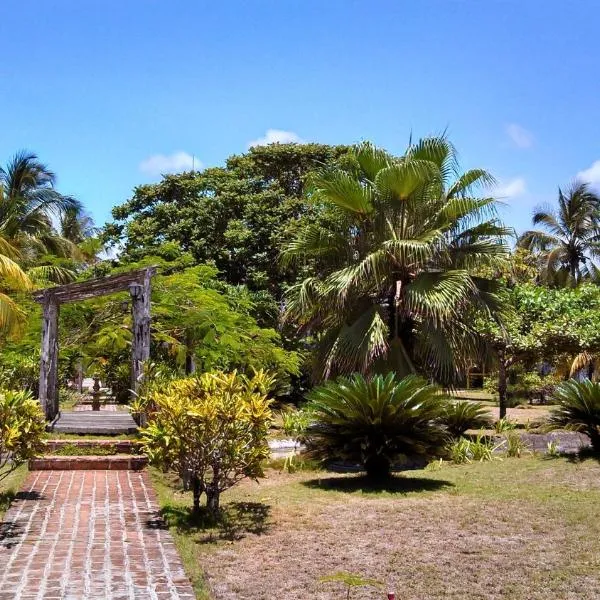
570 239
28 202
396 262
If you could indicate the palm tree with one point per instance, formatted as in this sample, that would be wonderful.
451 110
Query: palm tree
570 240
396 262
28 201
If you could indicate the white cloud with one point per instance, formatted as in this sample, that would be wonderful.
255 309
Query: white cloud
521 137
510 189
277 136
591 175
158 164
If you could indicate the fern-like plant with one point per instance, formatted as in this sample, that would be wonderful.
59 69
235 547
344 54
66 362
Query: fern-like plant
463 415
375 420
578 408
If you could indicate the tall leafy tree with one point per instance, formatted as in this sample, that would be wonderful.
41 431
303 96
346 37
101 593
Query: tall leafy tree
569 240
235 217
395 267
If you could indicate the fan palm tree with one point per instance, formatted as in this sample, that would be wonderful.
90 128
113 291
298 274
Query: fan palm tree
570 239
396 262
28 201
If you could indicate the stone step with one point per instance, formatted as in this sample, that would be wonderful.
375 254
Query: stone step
96 423
115 446
116 462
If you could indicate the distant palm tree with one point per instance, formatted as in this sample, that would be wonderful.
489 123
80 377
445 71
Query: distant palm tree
570 239
28 203
397 262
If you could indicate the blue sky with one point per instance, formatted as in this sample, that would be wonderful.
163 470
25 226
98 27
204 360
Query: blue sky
110 92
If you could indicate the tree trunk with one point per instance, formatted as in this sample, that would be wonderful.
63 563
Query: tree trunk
502 384
190 362
212 499
197 492
378 467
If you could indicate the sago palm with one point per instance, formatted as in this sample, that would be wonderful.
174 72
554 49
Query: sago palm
396 261
372 421
578 408
570 240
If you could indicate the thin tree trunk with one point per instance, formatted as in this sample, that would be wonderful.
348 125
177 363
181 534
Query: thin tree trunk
197 492
502 383
190 362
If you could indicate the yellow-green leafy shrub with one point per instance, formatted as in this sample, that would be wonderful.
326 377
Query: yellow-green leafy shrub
22 428
211 430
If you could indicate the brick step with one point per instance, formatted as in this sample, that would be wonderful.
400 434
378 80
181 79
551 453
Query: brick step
116 446
116 462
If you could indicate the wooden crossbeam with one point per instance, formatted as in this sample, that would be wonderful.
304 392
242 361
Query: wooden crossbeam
84 290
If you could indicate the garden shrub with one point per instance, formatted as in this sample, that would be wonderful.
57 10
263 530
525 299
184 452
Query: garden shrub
295 422
466 451
462 415
211 430
22 428
373 421
578 408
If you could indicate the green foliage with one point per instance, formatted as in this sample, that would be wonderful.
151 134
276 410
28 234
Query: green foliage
350 580
578 408
568 242
463 415
22 427
374 421
295 422
394 269
211 431
515 446
503 425
466 451
552 449
235 217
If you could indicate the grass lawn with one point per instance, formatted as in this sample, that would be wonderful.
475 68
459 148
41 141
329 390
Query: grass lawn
523 528
10 486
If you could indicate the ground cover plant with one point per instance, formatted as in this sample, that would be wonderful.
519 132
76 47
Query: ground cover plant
513 528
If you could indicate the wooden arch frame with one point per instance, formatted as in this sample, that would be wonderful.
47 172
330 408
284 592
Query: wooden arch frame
138 284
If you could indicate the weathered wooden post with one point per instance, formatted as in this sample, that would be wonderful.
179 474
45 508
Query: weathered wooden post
140 340
48 392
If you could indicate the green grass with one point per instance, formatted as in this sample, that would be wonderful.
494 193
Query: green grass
175 507
9 486
523 526
49 435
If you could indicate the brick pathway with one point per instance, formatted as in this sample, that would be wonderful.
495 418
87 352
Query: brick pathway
82 535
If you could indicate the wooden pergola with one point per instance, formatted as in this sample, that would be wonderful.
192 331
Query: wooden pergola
138 284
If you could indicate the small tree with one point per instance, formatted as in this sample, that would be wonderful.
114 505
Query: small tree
22 428
211 431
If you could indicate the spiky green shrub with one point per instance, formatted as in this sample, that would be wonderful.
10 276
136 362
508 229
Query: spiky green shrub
22 427
375 420
578 408
463 415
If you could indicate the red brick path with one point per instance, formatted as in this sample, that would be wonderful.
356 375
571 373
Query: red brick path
83 535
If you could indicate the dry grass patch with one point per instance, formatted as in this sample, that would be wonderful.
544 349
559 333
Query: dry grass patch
513 529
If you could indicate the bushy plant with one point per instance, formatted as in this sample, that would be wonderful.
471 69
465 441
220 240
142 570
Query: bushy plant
211 431
463 450
22 427
462 415
295 422
578 408
503 425
514 444
373 421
